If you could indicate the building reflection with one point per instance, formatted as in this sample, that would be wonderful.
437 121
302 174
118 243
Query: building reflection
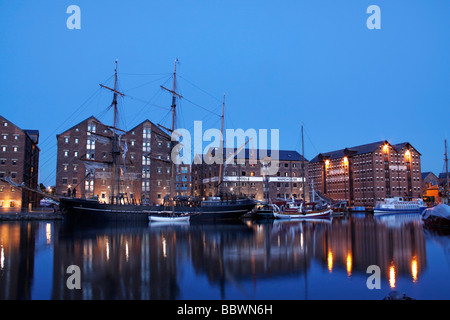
395 243
152 262
123 264
17 248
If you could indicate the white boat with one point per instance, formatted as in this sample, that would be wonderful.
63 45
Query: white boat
294 211
438 216
399 205
169 219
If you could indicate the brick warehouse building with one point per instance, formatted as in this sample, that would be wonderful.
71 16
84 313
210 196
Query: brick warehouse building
244 177
182 183
19 160
145 178
368 173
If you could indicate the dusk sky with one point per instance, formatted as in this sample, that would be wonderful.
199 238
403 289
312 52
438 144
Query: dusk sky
280 64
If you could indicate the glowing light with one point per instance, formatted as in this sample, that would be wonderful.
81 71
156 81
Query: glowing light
414 268
385 148
48 233
330 261
164 247
327 163
392 276
107 250
349 264
2 257
301 240
345 160
408 154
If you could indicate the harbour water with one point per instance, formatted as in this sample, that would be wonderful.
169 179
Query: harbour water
251 260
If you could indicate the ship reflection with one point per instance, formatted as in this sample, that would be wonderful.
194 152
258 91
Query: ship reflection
165 261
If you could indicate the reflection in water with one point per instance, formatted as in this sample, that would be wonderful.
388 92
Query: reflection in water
330 260
395 243
392 275
414 269
168 262
349 264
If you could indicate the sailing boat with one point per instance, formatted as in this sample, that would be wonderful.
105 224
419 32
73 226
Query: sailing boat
265 210
116 210
301 209
171 217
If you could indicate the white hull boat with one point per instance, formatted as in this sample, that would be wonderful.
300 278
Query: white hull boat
169 219
301 214
398 205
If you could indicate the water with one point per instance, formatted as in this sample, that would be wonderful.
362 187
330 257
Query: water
250 260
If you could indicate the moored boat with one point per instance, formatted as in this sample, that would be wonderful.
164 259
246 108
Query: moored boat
295 211
118 208
438 216
340 207
168 218
264 211
208 210
398 205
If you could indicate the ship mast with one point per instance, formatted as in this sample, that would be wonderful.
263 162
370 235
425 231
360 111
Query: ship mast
115 173
173 107
221 148
303 168
447 187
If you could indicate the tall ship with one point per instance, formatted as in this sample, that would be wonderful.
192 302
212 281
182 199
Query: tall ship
118 209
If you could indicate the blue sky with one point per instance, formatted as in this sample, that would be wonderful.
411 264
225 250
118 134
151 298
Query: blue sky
280 64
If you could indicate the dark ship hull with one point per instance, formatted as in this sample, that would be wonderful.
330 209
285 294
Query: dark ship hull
214 210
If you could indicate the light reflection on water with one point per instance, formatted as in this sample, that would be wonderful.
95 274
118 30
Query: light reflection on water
325 259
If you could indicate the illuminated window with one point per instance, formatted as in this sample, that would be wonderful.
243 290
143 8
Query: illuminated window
90 144
146 146
89 185
92 127
146 133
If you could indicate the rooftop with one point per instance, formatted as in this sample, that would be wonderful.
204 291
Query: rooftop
362 149
257 154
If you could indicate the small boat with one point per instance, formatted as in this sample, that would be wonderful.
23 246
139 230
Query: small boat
399 205
340 208
438 216
295 211
264 211
358 209
169 218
